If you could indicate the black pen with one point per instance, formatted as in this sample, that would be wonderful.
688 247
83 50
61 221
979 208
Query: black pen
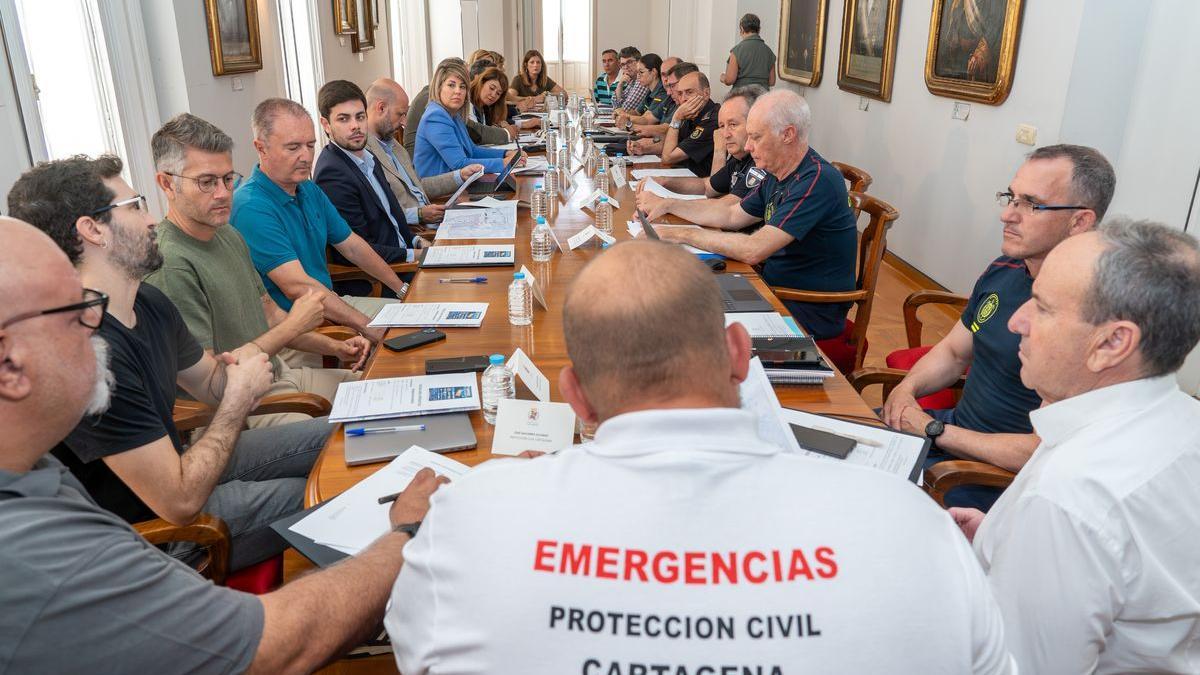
389 498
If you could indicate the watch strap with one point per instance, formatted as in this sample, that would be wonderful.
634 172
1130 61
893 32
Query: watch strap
408 528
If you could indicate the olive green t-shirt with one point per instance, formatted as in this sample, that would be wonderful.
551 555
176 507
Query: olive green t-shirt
754 59
518 85
214 285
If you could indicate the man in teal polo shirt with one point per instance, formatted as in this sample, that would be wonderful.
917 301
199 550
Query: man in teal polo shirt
287 221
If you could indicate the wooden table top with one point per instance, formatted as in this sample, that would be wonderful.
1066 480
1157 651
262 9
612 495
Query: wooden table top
542 341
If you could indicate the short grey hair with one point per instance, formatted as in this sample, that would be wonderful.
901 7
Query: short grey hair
171 142
1149 274
1093 180
749 23
785 108
749 92
265 114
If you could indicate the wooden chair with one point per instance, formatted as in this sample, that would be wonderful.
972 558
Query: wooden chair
848 350
209 531
857 179
904 359
338 272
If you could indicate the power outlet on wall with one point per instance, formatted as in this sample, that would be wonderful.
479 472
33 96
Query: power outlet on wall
1027 134
236 83
961 111
864 103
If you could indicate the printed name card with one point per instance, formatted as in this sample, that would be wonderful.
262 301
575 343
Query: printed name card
532 425
538 295
594 198
586 234
529 375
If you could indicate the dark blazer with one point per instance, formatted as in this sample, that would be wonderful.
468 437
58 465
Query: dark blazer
355 199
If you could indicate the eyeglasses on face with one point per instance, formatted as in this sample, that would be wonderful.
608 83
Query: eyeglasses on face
91 310
138 202
208 182
1028 208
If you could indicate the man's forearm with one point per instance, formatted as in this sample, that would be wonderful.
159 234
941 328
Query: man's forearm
370 262
281 335
938 369
315 343
202 464
1007 451
684 185
729 244
670 145
339 312
706 212
325 614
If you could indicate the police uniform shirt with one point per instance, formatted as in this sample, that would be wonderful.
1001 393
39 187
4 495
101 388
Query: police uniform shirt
679 542
812 205
731 178
994 400
696 139
657 101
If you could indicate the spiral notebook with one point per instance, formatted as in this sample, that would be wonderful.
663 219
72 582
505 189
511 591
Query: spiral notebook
772 331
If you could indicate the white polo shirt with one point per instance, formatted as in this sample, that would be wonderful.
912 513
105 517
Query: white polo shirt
680 543
1094 551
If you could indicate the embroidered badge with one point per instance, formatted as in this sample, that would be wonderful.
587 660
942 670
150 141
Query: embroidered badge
754 177
697 133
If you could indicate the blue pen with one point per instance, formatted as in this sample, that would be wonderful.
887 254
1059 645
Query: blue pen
363 431
462 280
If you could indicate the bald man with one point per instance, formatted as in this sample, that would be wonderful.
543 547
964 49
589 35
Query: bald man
689 139
387 110
82 591
677 539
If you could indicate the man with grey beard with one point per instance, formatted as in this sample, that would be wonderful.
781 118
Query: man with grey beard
132 459
81 591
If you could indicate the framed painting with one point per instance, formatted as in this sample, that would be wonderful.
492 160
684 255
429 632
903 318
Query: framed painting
345 17
868 56
233 36
973 49
802 40
363 39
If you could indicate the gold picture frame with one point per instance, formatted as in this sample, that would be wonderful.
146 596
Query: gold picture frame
233 40
867 63
973 58
802 40
363 39
345 17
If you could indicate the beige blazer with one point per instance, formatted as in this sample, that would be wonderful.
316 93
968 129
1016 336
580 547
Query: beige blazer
434 186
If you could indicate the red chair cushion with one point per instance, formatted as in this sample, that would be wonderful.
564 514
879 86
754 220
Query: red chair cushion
905 359
258 578
840 351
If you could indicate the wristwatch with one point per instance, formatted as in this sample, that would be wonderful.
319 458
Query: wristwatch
408 528
628 125
934 429
675 124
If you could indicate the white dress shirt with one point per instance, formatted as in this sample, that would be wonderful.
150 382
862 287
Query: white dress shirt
1094 551
656 545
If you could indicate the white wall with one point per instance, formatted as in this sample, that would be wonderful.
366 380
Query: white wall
445 30
339 58
638 23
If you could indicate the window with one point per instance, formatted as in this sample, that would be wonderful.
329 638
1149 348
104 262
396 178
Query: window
567 42
298 33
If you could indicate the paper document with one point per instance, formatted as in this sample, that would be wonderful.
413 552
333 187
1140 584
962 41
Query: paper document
649 173
468 314
758 397
642 159
488 202
586 234
535 164
593 199
354 519
877 447
661 191
503 146
463 188
765 324
480 223
405 396
469 256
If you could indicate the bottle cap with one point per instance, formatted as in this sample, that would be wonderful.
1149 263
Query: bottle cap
541 220
518 275
603 199
496 359
537 186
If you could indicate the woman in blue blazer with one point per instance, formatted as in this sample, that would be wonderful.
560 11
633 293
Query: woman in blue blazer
443 144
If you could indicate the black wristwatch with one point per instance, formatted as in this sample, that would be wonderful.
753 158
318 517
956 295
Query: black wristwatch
934 429
408 528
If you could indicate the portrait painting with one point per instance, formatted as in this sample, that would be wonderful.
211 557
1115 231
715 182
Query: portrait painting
868 49
802 40
364 38
345 17
972 49
233 36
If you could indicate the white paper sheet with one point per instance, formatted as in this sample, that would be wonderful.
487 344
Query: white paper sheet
354 519
761 324
468 314
529 374
758 397
586 234
497 222
878 447
466 256
503 146
405 396
463 188
532 425
649 173
655 188
642 159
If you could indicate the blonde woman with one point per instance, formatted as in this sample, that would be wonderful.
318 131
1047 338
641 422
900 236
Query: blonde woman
443 143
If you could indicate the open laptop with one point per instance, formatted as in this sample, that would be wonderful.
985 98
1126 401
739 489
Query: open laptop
737 293
443 433
502 183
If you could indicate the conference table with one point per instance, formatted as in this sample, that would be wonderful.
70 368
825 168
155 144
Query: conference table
542 341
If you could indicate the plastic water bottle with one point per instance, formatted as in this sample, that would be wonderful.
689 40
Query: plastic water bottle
601 157
564 157
589 163
550 185
545 125
541 242
520 301
539 206
601 180
604 216
497 383
618 164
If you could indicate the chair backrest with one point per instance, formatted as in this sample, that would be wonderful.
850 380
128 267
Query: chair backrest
872 244
857 180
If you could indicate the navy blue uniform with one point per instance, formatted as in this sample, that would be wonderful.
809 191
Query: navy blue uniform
993 399
731 178
812 206
696 139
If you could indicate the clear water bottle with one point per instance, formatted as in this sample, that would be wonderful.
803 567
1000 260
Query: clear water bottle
589 163
539 205
541 242
550 185
601 158
497 383
564 157
551 139
551 102
601 180
604 216
545 125
618 164
520 301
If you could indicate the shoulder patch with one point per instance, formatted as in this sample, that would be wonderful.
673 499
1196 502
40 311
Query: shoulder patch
697 133
986 310
755 176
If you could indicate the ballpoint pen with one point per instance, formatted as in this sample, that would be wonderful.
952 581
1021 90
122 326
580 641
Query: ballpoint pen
463 280
363 431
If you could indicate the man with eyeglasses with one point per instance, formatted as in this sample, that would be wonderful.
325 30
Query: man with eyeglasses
81 591
208 274
132 459
1061 190
631 95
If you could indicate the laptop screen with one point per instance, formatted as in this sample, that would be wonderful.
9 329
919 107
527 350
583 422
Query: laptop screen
512 163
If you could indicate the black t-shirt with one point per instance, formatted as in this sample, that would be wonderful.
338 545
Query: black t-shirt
993 399
731 179
145 361
696 139
810 204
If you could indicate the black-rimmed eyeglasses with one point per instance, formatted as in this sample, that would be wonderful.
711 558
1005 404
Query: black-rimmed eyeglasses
1028 208
91 310
208 182
137 201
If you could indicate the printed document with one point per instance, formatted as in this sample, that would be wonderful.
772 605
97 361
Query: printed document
468 256
405 396
464 314
639 174
661 191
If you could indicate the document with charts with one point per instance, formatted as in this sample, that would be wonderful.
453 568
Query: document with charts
493 222
434 314
405 397
482 255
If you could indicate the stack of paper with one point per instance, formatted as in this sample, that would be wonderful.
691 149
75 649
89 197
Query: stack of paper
639 174
765 324
495 220
354 519
654 188
642 159
405 397
483 255
536 164
463 314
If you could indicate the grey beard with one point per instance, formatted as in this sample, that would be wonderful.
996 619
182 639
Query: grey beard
103 385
